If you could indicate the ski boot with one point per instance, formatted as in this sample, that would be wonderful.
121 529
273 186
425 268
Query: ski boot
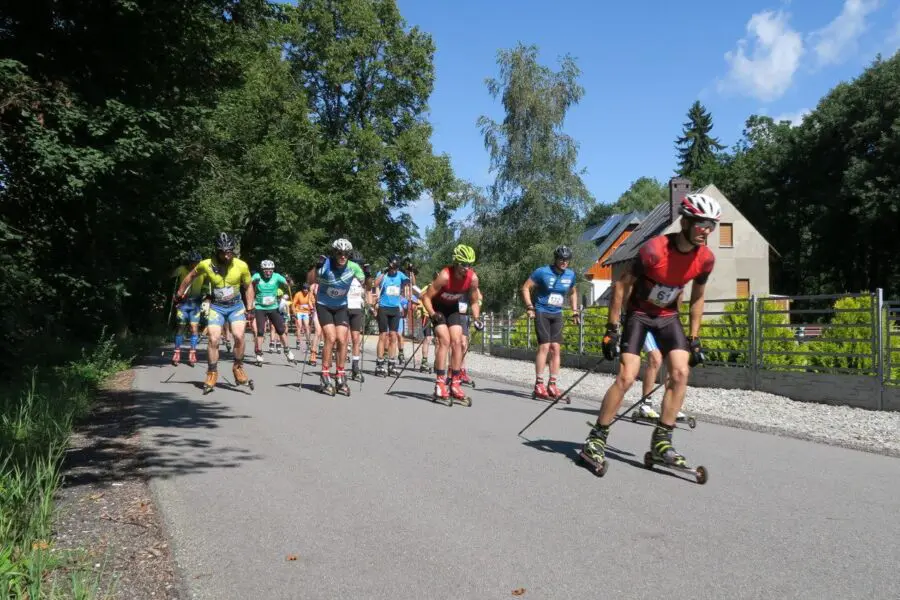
326 386
554 392
259 358
594 450
297 345
355 372
423 366
341 382
379 368
240 376
228 346
456 392
400 357
210 383
289 355
465 379
312 358
441 392
271 347
645 412
391 368
176 357
539 391
663 453
192 357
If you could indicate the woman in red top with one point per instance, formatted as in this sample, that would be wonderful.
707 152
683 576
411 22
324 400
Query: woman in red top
446 301
653 285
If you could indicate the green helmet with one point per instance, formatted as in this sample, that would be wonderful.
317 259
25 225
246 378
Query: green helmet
464 255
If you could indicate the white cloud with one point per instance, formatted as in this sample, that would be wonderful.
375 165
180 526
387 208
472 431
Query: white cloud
838 40
795 117
766 70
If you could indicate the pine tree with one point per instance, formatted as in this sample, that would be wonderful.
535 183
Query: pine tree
696 147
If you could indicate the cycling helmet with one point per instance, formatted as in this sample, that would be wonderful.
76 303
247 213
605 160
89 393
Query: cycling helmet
342 245
562 253
225 242
394 261
464 255
701 206
193 256
267 264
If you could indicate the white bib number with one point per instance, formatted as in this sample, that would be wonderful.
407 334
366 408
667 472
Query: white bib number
337 292
663 295
392 290
223 294
267 300
463 307
555 300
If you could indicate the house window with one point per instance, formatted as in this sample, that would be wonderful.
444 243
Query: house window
726 235
743 288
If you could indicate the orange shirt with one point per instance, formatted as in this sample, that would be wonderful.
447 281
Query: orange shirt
301 302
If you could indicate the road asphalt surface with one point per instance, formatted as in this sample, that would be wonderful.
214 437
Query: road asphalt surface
285 492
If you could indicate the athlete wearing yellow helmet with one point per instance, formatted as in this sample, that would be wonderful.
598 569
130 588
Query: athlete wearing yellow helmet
446 300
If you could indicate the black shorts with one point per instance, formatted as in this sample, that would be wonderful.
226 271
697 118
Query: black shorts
274 317
548 327
355 316
332 316
452 316
668 331
388 319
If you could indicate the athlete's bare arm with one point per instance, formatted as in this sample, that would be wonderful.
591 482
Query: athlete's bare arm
186 283
439 282
621 290
698 295
475 298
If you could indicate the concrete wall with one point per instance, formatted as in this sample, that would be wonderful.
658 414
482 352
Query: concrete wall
850 390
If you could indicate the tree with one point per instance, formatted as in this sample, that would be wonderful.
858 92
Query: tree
538 197
696 147
643 195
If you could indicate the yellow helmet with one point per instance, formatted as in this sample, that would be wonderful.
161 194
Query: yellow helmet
464 255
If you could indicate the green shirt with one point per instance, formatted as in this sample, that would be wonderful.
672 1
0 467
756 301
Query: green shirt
267 291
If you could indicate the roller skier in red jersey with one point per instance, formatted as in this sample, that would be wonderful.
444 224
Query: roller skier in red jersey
446 301
652 285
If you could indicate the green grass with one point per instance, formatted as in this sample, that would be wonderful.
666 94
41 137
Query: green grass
37 414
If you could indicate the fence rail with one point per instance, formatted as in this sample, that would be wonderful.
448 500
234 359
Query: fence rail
842 349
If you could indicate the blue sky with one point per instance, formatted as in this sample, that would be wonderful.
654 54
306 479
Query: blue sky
643 64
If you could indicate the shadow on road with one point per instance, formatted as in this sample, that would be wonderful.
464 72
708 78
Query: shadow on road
513 393
571 450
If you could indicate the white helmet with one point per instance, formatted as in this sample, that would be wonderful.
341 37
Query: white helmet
342 245
701 206
267 264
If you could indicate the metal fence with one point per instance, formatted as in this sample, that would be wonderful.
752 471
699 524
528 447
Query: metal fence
838 348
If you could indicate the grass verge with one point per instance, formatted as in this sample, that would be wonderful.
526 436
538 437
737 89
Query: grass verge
37 416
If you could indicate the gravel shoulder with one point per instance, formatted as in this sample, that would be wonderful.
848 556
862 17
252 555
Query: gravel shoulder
845 426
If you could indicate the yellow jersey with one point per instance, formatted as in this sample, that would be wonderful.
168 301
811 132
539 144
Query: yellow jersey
198 286
226 282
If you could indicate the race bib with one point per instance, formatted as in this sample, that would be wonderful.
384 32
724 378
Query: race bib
337 292
448 297
392 290
223 294
663 295
463 307
555 300
267 300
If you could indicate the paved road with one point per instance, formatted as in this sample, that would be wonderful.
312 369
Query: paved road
395 497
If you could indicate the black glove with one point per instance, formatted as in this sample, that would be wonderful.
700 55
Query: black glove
610 342
437 319
320 261
696 357
478 324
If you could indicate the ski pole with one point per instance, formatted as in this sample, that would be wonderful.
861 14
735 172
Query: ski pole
564 394
633 406
404 367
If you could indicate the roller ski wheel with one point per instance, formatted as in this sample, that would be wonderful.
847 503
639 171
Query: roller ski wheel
699 472
563 399
464 401
448 401
691 421
598 468
328 390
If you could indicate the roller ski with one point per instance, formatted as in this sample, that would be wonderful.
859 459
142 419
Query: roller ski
423 366
593 453
646 414
465 379
456 393
663 454
210 384
341 383
326 385
259 359
289 356
441 393
356 373
176 357
240 376
555 394
392 370
380 371
192 357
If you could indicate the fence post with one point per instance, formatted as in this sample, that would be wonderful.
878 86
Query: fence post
878 348
485 332
581 335
508 330
753 358
527 334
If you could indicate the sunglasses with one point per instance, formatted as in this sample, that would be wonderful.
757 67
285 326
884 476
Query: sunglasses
703 224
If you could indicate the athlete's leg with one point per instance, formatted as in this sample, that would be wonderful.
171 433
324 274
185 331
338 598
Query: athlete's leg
457 346
654 362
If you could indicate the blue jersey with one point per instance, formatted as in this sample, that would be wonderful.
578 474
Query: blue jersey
390 289
551 288
334 285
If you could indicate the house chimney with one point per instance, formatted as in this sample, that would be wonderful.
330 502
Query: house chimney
678 189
